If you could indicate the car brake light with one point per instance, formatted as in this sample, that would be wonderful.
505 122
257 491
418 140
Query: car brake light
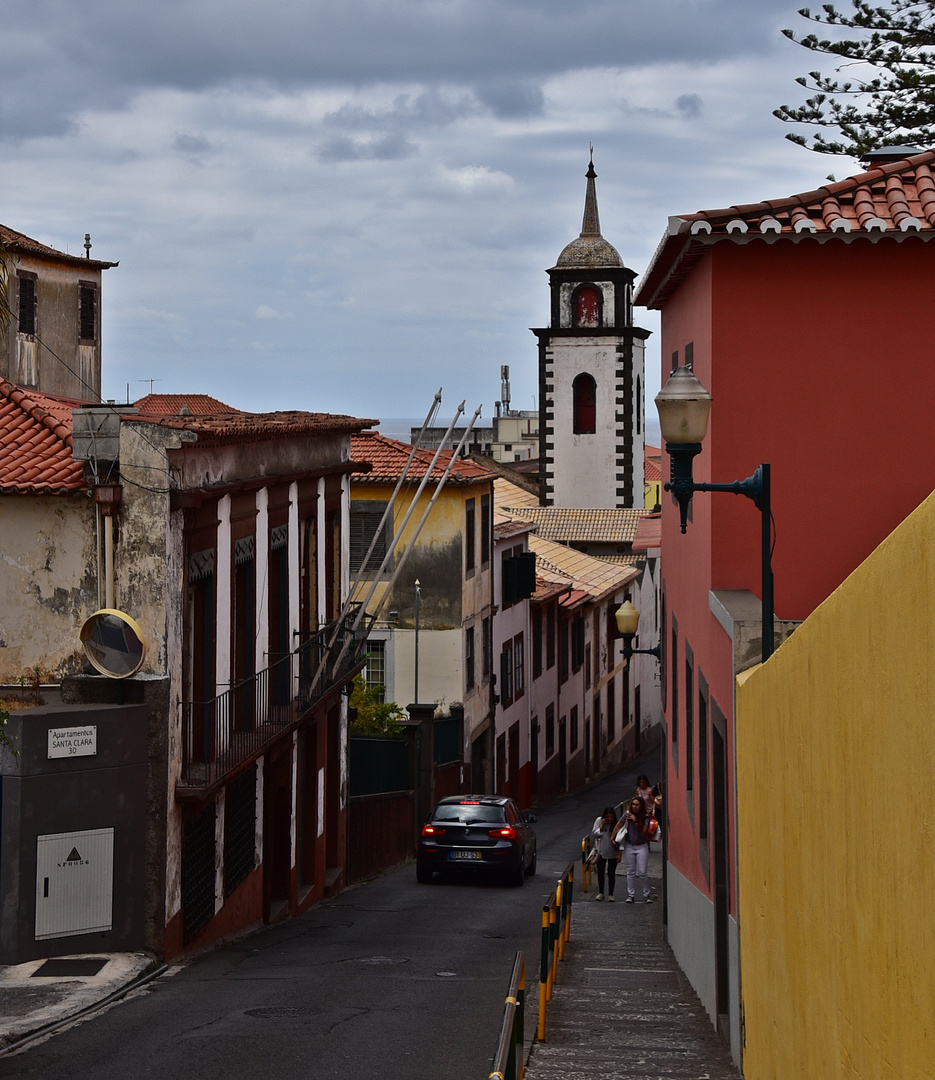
432 830
505 834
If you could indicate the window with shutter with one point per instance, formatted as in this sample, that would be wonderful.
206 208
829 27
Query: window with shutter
365 517
87 312
27 303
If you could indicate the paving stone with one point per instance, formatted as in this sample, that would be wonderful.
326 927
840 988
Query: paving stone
621 1008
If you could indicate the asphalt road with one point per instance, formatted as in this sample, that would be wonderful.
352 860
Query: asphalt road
390 979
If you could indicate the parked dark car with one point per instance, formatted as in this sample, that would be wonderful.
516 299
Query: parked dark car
477 833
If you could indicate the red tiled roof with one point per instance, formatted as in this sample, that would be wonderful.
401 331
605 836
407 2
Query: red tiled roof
17 241
652 470
35 442
648 533
388 458
894 200
173 404
242 427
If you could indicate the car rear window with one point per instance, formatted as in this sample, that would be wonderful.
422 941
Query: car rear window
466 813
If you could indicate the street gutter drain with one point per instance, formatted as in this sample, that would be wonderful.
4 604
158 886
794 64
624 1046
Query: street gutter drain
70 967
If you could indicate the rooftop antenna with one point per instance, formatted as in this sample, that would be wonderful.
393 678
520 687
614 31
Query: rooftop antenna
505 388
150 381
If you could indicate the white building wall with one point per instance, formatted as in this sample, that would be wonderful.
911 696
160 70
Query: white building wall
584 467
440 667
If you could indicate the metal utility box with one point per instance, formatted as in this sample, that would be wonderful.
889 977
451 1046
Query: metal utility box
74 883
75 819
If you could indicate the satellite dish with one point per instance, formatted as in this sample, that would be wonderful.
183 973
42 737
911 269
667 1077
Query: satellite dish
114 643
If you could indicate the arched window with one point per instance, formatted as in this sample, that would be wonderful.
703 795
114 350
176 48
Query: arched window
584 392
586 306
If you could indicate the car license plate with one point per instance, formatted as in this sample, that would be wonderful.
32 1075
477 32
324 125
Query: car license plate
466 855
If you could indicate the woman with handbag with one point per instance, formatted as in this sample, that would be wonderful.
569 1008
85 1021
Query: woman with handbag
608 853
634 836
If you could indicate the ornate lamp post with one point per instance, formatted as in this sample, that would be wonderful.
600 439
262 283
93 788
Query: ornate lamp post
683 405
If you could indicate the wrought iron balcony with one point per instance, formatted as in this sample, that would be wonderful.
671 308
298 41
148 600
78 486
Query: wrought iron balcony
222 734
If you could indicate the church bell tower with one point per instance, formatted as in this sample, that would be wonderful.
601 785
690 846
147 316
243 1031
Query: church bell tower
591 378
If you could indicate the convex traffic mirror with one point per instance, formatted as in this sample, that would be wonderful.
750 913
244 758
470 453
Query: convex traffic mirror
114 643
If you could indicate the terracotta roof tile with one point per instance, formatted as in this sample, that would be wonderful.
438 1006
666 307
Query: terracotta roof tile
17 241
648 533
173 404
594 576
388 458
243 427
35 442
652 470
581 526
891 200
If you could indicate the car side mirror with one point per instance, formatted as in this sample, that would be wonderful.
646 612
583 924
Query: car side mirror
530 819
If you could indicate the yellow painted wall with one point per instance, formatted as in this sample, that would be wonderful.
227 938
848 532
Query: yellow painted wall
443 524
835 757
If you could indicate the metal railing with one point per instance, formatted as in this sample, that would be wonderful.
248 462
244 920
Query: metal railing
221 734
507 1061
556 927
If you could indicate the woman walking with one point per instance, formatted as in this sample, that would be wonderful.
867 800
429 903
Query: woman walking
634 836
608 852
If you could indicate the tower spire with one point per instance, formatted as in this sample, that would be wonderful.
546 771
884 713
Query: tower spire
591 224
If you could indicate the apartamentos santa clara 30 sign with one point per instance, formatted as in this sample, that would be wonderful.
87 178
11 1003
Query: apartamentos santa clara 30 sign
73 741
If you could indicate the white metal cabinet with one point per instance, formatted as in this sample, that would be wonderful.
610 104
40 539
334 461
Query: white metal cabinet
74 883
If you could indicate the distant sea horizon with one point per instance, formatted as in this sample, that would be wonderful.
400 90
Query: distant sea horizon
400 427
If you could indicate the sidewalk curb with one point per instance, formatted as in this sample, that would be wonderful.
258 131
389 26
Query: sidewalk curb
50 1028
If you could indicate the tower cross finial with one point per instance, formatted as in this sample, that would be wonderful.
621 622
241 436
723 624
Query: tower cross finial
590 224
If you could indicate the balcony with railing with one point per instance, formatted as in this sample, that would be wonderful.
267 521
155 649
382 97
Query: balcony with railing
221 735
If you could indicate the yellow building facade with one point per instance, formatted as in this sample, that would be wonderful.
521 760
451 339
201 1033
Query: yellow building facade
835 763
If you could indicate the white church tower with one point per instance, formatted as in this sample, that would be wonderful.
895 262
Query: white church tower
591 379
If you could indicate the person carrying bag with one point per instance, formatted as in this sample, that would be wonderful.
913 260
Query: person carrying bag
633 836
608 852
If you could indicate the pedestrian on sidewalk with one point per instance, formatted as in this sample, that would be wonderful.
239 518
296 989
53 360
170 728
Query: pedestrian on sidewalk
608 852
634 837
646 793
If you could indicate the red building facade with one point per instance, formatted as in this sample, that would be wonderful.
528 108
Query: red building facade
809 321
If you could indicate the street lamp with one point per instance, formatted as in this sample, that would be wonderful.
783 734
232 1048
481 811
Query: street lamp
628 621
683 405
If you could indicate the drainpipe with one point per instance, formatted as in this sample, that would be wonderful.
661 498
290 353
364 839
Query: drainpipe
107 498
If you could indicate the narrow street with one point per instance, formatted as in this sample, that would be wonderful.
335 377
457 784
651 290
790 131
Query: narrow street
390 979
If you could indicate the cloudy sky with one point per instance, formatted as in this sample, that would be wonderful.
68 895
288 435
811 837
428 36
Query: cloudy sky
343 206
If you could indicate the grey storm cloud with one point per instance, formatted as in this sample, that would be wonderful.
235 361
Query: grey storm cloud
689 105
377 185
102 52
392 147
512 98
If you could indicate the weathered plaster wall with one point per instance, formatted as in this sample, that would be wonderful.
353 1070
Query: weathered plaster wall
840 890
48 581
57 325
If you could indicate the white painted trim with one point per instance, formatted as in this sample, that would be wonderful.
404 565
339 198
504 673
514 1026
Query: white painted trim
261 572
222 598
320 551
295 564
736 226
